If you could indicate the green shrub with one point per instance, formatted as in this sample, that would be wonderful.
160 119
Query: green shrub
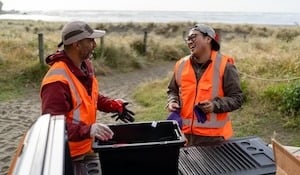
138 46
111 54
245 89
285 97
29 77
166 51
291 99
287 35
119 57
275 93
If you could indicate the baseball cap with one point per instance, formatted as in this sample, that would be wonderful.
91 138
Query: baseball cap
78 30
207 30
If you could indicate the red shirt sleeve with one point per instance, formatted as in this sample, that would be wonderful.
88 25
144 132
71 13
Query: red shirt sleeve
107 104
78 132
57 100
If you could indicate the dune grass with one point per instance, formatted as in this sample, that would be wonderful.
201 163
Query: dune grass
268 58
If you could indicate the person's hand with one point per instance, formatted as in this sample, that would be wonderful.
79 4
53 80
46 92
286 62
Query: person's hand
101 131
123 113
206 106
203 108
176 116
200 114
173 106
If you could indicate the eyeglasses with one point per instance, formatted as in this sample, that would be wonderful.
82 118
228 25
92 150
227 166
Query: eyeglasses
194 36
191 38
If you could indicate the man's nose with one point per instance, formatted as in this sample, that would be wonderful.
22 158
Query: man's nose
189 43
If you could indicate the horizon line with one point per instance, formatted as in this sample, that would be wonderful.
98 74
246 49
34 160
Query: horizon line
149 10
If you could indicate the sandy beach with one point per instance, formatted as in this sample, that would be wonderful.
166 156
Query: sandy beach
17 115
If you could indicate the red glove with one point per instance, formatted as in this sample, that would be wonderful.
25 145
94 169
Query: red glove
122 112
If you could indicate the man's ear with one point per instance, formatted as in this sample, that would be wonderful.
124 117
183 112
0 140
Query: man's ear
208 39
75 45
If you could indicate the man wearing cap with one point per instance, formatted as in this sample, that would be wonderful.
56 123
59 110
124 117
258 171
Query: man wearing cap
205 87
70 88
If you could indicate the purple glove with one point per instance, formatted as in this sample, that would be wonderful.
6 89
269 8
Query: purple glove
201 116
175 116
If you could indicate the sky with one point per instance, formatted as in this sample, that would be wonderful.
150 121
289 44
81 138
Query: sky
162 5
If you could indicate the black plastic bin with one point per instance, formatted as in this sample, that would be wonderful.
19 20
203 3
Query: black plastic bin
141 148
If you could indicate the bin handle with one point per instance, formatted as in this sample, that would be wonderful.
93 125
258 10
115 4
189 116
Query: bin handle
177 133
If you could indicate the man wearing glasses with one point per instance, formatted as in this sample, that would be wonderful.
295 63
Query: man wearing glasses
204 88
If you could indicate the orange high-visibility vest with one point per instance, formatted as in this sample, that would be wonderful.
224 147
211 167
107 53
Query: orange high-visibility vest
192 92
84 106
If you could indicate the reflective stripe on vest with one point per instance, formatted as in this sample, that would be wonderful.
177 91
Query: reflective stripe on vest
213 122
179 71
62 72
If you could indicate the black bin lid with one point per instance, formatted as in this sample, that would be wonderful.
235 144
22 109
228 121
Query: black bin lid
240 156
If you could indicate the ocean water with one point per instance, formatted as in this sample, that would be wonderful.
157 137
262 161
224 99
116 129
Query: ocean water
161 16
